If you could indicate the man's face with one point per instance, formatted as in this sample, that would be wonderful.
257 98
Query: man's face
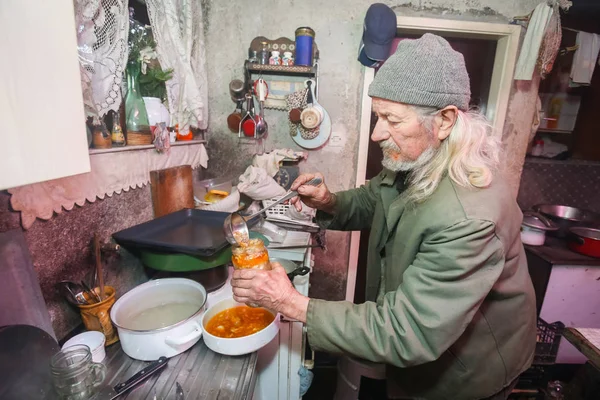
404 140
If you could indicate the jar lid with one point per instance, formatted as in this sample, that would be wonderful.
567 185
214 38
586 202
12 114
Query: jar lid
538 221
275 53
287 53
305 31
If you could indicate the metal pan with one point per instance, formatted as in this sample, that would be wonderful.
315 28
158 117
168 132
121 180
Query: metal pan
188 231
567 217
585 241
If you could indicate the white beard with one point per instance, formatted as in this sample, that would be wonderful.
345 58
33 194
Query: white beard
390 147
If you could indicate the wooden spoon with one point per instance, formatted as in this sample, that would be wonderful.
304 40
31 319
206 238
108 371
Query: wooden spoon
99 271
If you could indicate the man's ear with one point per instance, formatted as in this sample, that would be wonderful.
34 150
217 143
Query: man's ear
445 121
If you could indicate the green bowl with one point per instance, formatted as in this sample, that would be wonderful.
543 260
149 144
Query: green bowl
178 262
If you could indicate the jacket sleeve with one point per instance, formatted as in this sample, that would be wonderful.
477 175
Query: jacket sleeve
441 291
354 208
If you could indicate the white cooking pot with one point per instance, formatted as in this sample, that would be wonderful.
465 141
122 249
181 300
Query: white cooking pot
241 345
148 345
534 228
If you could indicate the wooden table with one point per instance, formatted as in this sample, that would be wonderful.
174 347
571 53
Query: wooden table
585 341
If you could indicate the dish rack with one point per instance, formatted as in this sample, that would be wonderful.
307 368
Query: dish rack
548 340
280 213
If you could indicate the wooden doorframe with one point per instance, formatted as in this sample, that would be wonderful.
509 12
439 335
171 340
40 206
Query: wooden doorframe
507 45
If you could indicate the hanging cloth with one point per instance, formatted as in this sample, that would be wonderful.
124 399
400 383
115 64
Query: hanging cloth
533 41
584 60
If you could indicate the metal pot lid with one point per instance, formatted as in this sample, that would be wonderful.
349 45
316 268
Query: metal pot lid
535 220
568 213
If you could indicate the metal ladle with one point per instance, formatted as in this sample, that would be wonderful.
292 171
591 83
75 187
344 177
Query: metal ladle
235 223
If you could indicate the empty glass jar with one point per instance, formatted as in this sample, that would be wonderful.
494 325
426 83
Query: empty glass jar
74 375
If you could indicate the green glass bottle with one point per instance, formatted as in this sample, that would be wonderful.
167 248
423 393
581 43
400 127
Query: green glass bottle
138 127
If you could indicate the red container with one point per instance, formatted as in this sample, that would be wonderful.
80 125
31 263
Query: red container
585 241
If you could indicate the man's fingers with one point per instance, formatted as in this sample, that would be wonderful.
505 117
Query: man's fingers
241 283
247 273
241 299
241 292
302 179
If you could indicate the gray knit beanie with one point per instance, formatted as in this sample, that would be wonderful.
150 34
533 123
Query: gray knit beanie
424 72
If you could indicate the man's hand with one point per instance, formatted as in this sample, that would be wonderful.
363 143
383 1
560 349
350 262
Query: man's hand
269 289
318 197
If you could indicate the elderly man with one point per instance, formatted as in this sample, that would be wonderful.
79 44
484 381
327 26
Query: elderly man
452 310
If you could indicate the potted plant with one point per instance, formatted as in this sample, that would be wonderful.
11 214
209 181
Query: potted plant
154 91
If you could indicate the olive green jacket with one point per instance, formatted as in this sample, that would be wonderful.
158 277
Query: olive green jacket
456 317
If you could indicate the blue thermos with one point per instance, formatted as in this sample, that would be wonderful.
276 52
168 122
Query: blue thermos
304 46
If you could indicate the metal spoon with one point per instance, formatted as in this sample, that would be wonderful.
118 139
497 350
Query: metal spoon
236 223
261 125
72 292
65 289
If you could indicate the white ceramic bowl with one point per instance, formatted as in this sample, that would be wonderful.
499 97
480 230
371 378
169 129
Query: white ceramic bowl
532 236
94 340
241 345
151 344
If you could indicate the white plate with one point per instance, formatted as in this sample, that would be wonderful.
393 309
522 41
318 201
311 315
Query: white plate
324 128
324 132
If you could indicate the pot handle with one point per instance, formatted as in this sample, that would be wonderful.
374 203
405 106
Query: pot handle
299 272
183 340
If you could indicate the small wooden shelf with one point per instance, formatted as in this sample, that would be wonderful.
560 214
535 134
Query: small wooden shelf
143 147
545 130
281 69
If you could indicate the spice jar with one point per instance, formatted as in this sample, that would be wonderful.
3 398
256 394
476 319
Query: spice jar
250 254
275 58
252 56
287 59
116 133
305 37
263 53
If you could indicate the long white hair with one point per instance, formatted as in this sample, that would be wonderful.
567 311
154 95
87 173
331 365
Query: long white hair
469 155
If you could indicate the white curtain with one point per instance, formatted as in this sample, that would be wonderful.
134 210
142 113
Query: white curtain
102 30
178 31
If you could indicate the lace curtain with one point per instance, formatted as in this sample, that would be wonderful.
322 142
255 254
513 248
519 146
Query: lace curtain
179 34
102 29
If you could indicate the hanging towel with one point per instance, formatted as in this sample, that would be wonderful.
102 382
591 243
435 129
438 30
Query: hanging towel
584 60
532 42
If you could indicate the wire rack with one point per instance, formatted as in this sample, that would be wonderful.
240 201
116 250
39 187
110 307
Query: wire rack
281 212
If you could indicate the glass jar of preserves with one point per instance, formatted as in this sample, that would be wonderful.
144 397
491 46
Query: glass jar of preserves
250 254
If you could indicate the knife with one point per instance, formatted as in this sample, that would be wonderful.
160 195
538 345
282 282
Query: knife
111 393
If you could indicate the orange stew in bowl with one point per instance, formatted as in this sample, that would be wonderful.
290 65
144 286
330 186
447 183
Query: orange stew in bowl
239 321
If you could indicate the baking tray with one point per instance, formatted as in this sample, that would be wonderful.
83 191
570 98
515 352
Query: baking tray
188 231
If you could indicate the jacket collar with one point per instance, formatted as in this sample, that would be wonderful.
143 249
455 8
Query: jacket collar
389 177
